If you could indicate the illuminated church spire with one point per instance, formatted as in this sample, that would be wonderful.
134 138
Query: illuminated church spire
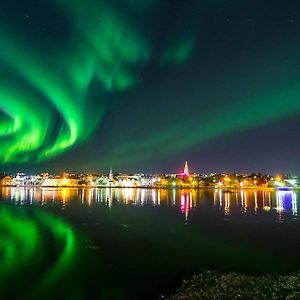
186 169
111 175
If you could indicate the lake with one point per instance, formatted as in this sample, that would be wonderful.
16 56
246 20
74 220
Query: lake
127 243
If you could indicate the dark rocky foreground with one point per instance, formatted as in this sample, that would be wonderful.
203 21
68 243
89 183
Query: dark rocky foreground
215 285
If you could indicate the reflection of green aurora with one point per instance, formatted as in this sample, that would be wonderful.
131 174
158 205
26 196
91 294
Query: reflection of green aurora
24 252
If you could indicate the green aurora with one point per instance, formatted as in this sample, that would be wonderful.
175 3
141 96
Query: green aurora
54 83
57 88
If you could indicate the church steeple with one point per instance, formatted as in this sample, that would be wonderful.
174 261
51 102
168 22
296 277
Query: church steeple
111 175
186 169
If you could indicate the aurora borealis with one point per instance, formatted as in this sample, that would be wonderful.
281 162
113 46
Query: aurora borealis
139 85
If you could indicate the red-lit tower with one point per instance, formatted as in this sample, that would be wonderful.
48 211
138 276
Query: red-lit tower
186 169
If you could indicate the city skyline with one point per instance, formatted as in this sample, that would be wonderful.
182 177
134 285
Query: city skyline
179 171
183 178
89 85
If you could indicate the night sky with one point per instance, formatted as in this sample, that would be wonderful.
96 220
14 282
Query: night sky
143 86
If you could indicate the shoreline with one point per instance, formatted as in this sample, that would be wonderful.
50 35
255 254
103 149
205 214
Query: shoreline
224 188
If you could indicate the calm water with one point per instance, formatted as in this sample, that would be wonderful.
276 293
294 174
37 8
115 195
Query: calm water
138 243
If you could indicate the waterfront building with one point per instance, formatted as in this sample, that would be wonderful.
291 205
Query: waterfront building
19 179
51 182
60 182
111 180
6 180
101 180
148 180
128 180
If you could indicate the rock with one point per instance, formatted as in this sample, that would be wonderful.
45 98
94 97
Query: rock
215 285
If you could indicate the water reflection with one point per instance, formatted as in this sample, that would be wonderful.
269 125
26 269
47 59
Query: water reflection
227 202
186 203
23 246
37 237
286 200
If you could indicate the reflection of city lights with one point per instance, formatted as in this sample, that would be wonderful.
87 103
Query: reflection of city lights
215 197
64 196
82 196
97 196
279 201
158 197
246 200
23 194
242 198
174 197
267 203
109 197
294 204
90 191
182 203
282 201
191 200
154 197
128 194
286 200
227 203
255 201
142 197
185 204
31 196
